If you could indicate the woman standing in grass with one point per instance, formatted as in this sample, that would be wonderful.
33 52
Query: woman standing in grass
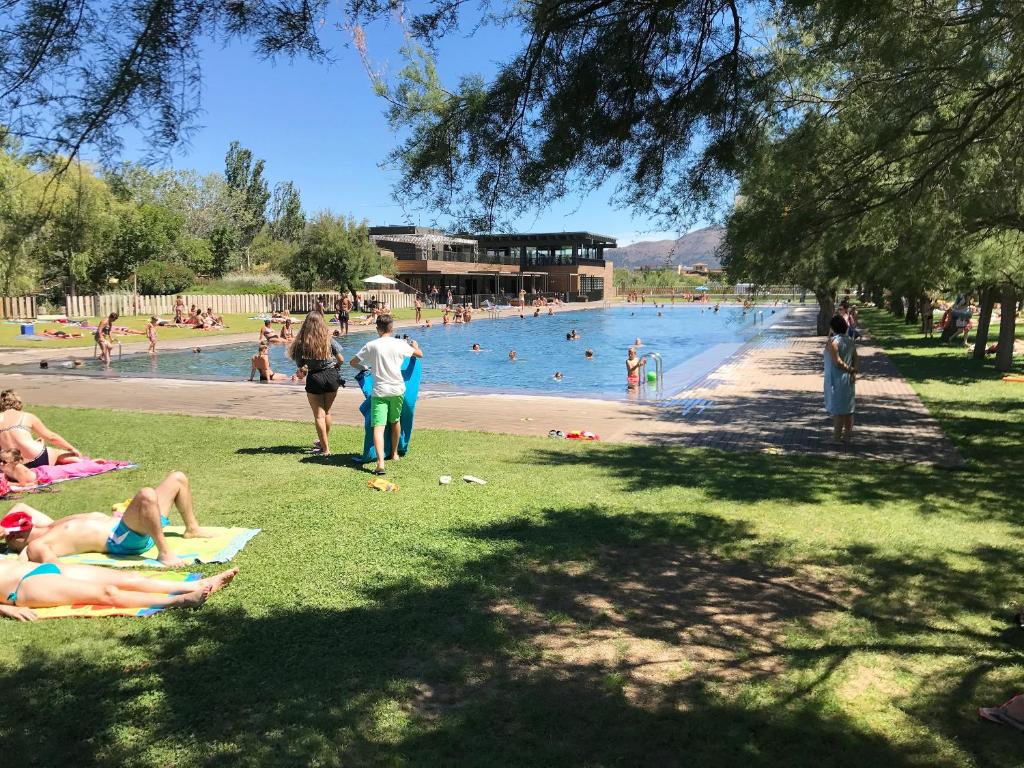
840 378
320 355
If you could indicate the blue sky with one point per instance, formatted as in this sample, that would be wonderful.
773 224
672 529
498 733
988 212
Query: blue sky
321 126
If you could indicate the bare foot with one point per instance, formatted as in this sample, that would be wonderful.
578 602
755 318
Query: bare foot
218 582
172 562
198 533
393 458
192 599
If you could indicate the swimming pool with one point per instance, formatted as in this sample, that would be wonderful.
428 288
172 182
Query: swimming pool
691 340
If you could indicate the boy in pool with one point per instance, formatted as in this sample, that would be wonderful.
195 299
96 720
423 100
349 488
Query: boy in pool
385 356
42 540
634 366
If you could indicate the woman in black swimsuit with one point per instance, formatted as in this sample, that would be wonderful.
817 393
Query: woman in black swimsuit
18 431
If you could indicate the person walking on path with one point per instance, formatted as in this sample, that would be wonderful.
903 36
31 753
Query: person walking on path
384 357
840 378
321 355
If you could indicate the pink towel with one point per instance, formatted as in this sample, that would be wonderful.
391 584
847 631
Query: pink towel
83 468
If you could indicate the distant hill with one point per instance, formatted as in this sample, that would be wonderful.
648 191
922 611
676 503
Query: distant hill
699 245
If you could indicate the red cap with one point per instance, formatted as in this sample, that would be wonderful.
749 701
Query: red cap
16 522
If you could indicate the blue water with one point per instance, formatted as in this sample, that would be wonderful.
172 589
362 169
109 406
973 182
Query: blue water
681 334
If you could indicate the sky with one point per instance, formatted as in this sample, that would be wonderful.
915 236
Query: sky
321 126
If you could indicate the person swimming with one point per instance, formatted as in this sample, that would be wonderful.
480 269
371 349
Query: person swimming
637 342
476 348
512 356
558 376
589 354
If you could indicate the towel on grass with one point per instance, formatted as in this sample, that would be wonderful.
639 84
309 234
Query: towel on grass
79 611
60 472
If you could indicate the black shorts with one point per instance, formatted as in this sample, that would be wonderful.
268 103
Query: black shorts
323 382
343 317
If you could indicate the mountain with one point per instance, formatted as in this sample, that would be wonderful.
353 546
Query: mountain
699 245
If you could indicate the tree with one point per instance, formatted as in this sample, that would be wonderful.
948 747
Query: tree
286 218
73 75
245 178
335 252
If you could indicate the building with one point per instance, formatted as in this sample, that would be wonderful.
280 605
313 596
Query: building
569 263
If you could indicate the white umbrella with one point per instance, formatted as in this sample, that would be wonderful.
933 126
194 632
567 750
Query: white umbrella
379 280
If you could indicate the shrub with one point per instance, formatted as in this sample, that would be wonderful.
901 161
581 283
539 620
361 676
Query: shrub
164 277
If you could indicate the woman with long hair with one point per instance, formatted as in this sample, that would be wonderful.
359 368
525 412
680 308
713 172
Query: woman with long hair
316 350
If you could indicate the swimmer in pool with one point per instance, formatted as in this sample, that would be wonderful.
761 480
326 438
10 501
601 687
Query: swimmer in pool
638 343
633 368
558 376
261 364
589 354
476 348
512 356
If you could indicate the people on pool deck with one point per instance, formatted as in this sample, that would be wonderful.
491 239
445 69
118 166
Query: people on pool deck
12 464
267 334
151 327
634 366
321 354
41 539
840 378
25 585
261 364
385 356
418 306
18 430
103 337
344 308
179 310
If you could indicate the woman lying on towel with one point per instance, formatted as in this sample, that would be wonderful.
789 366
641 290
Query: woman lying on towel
68 466
27 433
24 586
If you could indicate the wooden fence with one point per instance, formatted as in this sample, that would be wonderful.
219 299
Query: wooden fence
126 304
18 307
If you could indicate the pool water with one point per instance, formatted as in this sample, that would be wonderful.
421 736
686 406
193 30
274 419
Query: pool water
690 339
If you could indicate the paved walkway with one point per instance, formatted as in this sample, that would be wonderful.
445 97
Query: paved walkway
767 397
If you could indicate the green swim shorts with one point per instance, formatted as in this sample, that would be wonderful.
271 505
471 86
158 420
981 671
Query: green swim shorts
385 410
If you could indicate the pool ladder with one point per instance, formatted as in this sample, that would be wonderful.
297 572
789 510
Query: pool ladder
659 369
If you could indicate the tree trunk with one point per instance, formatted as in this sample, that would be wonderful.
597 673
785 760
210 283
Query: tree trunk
896 302
988 299
826 308
1007 327
913 311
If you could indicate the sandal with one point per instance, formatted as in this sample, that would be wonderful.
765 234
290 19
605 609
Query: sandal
1001 716
378 472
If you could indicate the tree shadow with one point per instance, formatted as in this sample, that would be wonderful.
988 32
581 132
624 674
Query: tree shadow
582 638
272 450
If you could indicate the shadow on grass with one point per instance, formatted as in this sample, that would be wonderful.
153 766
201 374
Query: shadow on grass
585 638
273 450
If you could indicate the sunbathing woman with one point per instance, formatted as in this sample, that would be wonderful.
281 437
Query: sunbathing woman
287 334
25 585
18 430
267 335
13 467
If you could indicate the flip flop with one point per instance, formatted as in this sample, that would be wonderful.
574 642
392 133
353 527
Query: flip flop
378 472
445 479
474 480
1001 716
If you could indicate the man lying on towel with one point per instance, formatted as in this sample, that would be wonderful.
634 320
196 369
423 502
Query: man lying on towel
40 539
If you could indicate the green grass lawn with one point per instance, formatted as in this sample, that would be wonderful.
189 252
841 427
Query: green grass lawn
594 604
234 324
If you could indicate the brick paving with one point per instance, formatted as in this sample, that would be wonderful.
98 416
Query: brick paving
766 397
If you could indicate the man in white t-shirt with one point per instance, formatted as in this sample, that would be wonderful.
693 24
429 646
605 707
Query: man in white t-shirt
385 357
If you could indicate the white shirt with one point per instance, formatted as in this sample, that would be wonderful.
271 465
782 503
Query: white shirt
385 357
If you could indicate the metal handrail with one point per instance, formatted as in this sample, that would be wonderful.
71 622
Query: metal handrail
659 367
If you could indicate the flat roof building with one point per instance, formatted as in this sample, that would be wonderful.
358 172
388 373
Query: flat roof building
569 263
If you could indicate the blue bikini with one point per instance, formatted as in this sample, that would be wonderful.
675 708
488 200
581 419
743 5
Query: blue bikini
46 569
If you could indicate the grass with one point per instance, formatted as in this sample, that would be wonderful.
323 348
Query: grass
9 331
594 604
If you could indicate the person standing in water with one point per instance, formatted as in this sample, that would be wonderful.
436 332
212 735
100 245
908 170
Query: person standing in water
634 366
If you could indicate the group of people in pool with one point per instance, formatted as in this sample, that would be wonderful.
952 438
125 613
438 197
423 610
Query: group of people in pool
37 578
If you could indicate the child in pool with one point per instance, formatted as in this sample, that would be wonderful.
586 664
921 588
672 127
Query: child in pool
512 356
633 368
13 465
558 376
151 327
589 354
476 347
